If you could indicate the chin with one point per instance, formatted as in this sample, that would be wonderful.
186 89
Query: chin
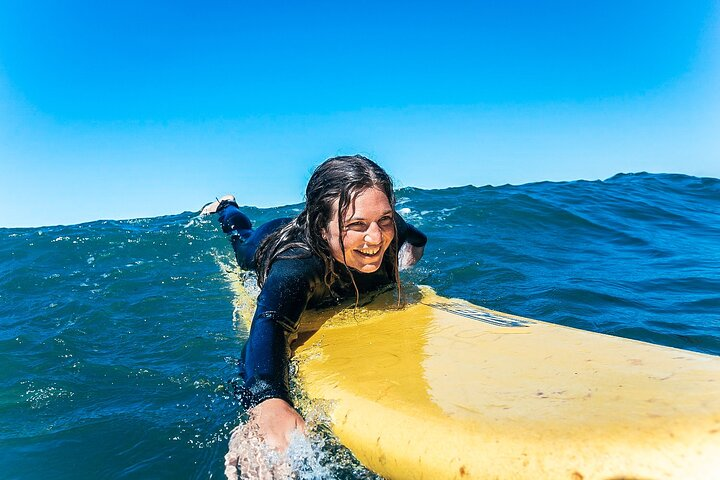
365 265
368 268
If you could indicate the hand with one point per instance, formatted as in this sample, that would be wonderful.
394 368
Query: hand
409 255
276 420
271 424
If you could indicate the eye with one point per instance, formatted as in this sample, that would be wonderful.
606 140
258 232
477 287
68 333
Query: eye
356 226
386 221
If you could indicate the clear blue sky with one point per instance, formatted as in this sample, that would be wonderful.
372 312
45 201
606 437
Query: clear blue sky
134 108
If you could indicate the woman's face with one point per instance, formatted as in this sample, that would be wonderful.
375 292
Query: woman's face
369 227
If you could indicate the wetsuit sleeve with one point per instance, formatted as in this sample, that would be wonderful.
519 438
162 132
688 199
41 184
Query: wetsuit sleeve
265 358
408 233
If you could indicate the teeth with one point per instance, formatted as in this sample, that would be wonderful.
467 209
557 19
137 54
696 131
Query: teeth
368 251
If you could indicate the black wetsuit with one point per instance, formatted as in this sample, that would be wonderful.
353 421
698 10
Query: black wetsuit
294 283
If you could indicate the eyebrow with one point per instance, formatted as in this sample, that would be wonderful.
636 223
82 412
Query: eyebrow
387 212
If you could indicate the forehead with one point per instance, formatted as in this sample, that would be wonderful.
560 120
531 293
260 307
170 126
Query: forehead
365 202
368 203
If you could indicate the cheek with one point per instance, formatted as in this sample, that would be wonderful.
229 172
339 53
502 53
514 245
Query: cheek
389 235
349 242
333 241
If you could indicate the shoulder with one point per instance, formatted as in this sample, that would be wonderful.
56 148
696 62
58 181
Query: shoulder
408 233
296 262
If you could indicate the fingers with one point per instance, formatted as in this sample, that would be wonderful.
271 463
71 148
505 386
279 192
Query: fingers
300 425
231 464
249 447
233 456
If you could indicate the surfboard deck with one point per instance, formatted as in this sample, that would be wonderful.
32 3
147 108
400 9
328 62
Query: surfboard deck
444 389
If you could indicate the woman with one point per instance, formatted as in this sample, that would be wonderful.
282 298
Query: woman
346 241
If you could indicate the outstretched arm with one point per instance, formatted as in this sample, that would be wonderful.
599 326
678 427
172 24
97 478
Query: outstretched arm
265 358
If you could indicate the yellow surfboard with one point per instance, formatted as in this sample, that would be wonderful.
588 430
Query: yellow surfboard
444 389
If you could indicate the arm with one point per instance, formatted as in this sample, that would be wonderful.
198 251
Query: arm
409 255
265 358
412 243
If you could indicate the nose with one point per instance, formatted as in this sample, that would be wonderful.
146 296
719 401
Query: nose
373 234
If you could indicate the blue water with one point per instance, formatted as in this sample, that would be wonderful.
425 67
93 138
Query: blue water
117 344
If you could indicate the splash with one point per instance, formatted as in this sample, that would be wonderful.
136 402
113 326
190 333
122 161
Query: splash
316 455
249 457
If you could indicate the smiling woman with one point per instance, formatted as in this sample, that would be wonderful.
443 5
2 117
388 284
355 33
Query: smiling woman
348 240
368 230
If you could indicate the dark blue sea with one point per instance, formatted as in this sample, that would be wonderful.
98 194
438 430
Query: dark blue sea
118 348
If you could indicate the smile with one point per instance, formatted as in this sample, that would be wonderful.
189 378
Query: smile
368 252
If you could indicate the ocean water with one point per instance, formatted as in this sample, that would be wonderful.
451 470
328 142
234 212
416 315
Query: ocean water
118 349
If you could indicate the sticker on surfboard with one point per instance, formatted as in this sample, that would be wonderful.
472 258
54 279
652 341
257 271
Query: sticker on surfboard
475 313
